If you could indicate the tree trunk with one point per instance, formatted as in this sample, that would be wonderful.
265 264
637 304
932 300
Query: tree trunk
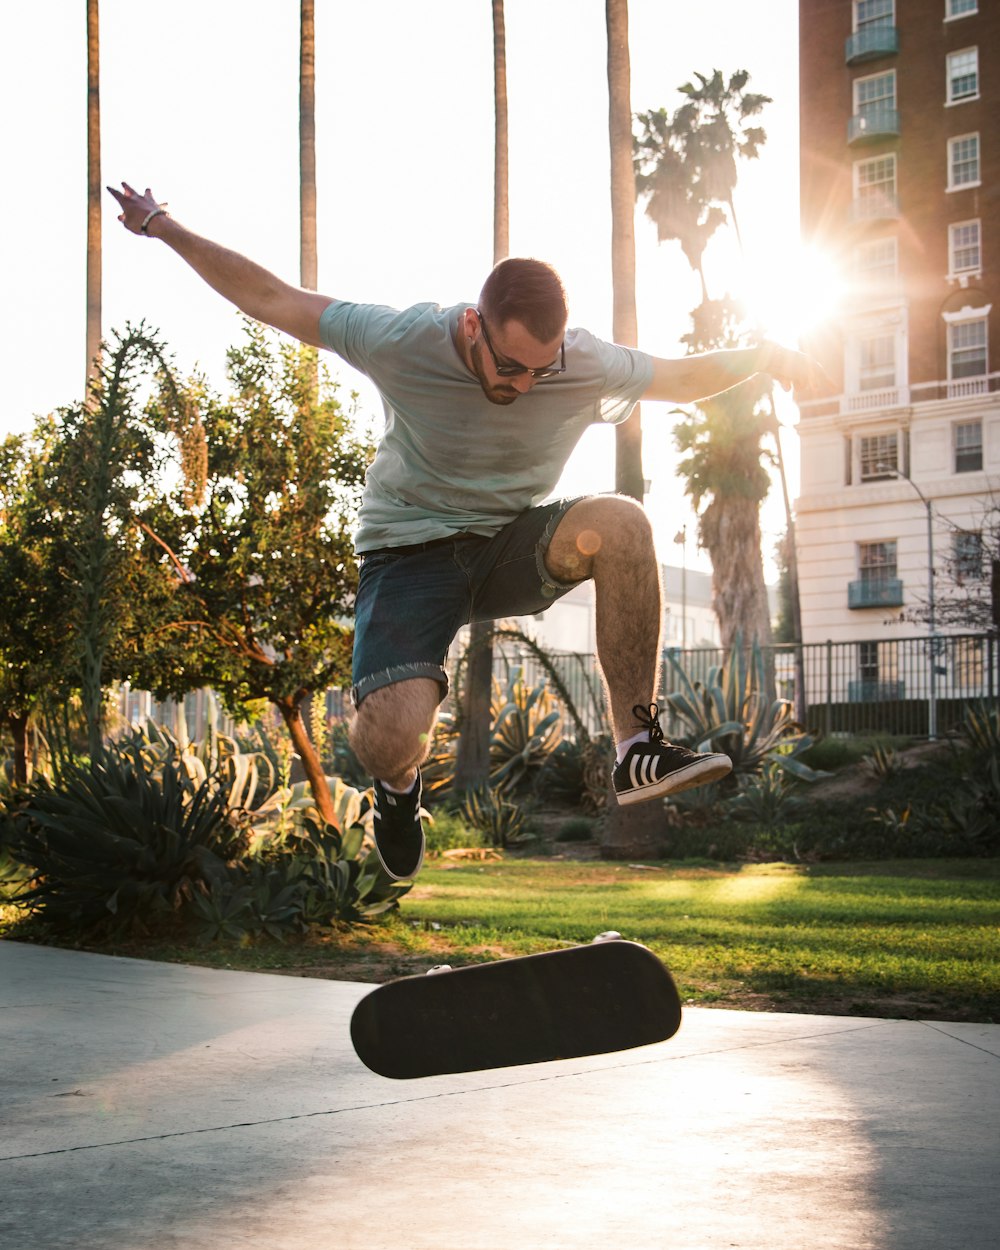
635 832
472 758
93 337
308 260
17 723
731 532
291 714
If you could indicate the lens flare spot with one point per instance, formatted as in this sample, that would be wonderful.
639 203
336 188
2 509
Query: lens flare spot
588 542
424 738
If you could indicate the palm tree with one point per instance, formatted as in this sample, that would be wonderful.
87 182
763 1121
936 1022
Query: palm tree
629 832
93 338
686 170
472 759
727 484
308 264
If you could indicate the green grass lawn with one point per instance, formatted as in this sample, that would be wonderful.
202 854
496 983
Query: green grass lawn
916 938
900 938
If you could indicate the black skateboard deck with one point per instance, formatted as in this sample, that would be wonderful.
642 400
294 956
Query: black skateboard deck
583 1000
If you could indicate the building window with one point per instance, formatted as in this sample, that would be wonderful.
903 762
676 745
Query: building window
963 75
879 456
964 254
963 161
967 349
877 362
877 563
871 14
968 441
875 185
967 555
959 8
875 94
877 264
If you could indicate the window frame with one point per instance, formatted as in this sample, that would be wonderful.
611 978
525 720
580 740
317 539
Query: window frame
888 101
875 22
957 450
954 271
972 182
951 16
956 326
877 571
870 458
950 97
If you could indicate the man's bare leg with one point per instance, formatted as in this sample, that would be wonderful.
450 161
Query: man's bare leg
392 729
609 538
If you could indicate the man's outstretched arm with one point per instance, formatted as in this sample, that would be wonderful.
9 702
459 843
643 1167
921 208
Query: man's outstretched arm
690 378
253 289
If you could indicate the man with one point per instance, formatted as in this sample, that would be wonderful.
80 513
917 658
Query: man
484 404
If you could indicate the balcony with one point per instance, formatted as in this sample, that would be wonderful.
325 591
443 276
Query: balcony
871 42
874 123
874 206
885 592
871 690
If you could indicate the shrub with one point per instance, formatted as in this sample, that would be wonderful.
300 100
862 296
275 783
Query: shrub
579 829
120 848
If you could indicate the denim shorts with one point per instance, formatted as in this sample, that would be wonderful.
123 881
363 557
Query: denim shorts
413 600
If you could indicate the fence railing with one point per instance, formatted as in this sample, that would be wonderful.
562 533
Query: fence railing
881 685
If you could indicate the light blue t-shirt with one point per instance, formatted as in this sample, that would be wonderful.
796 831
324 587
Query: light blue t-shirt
450 461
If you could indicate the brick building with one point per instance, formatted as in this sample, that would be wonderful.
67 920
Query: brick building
900 187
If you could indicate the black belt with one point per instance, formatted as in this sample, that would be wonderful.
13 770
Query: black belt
408 547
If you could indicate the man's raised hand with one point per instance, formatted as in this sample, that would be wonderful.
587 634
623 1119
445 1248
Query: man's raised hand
792 368
137 210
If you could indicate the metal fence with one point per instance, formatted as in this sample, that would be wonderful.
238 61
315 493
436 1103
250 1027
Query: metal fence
916 687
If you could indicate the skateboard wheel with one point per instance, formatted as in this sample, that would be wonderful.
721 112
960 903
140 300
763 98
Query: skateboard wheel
609 936
438 968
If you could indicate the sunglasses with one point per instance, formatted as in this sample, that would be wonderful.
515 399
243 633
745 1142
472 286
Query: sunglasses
515 370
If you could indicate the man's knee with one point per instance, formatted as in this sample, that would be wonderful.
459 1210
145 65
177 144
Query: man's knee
601 526
393 726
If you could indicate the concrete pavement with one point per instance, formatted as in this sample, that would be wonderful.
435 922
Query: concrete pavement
148 1106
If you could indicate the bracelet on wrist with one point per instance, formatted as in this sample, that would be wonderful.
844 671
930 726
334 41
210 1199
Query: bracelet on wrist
144 228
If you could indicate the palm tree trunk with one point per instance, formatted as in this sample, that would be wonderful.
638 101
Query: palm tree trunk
308 262
628 437
93 336
629 832
472 758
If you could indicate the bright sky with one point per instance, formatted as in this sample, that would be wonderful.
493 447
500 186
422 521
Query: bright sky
199 101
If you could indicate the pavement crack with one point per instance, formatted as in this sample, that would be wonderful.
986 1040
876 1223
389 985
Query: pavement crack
964 1040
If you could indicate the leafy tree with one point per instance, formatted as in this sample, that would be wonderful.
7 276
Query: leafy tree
35 652
967 579
102 472
257 541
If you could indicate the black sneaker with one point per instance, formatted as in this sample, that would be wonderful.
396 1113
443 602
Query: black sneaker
656 768
399 835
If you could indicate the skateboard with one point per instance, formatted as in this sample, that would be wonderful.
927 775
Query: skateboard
581 1000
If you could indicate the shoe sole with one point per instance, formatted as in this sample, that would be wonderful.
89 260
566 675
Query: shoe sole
394 875
698 774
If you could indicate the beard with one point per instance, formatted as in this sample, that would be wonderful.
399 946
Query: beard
496 393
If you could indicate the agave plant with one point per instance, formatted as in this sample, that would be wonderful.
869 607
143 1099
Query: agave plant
248 777
730 711
313 876
118 848
501 821
527 728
